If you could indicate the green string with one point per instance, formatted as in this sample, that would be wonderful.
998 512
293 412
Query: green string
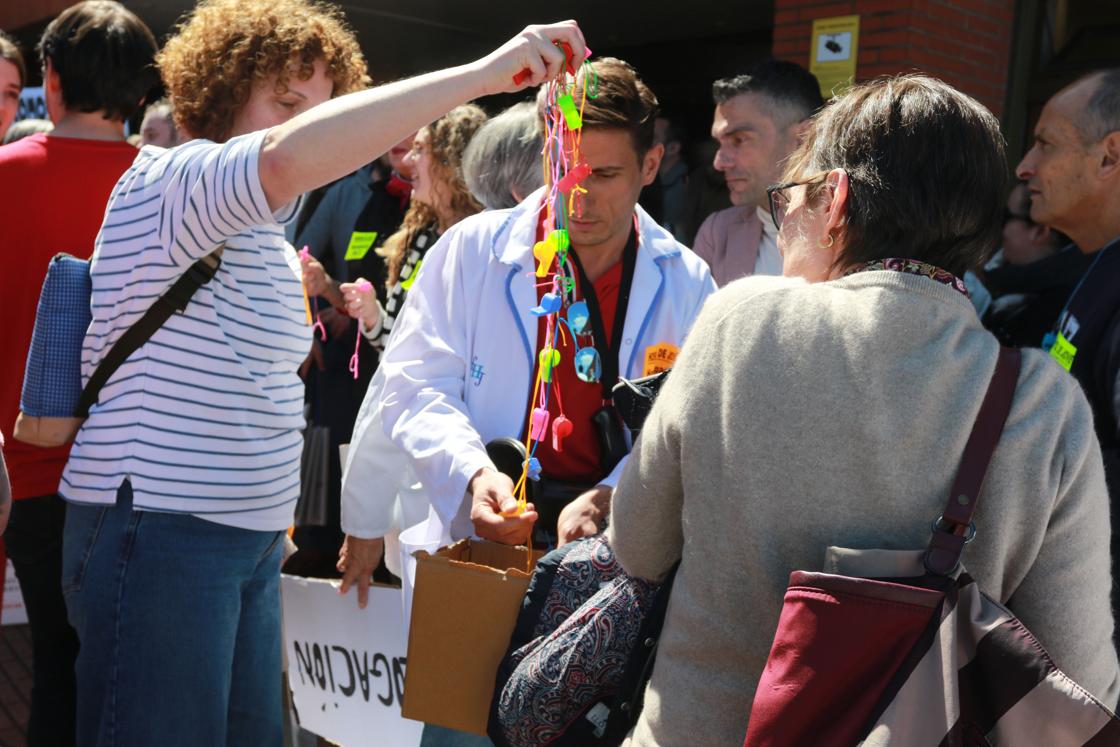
593 88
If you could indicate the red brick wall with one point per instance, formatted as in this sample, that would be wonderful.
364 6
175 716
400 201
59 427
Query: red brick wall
15 14
966 43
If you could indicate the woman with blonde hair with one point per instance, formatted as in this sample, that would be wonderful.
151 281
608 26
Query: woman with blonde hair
440 199
183 478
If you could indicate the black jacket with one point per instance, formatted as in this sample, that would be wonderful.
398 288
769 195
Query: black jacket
1091 324
1027 299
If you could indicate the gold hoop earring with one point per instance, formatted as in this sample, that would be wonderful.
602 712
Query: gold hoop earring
823 245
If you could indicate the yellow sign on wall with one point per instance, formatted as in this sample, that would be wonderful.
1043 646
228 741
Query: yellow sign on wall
834 52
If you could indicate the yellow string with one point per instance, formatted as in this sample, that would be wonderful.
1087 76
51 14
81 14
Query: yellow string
519 489
306 301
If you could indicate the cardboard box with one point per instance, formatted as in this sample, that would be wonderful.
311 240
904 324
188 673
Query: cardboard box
464 607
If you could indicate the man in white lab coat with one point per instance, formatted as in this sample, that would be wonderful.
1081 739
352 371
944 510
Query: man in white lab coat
463 356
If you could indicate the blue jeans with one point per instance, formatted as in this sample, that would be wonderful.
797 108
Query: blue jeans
179 624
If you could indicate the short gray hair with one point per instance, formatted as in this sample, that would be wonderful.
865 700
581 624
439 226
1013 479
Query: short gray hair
161 108
1102 113
504 157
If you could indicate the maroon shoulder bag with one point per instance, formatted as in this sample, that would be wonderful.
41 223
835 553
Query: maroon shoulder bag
902 648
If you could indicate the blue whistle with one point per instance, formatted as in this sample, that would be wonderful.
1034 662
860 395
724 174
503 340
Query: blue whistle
550 304
534 469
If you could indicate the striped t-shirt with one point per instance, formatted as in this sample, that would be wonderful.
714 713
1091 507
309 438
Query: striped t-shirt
205 418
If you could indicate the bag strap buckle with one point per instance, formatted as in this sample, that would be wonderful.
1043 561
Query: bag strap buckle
954 528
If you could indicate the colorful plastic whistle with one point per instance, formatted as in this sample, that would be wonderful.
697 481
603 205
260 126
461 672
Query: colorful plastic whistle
305 253
533 469
549 358
571 114
545 252
576 175
365 285
561 429
550 304
538 423
559 237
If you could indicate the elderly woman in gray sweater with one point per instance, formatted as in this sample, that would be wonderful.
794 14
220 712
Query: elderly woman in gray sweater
831 408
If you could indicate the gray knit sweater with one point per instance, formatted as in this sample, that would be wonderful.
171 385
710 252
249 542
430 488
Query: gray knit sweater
803 416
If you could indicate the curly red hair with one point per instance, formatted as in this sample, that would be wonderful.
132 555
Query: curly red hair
223 47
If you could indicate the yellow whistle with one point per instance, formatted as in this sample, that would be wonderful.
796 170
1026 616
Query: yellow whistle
545 252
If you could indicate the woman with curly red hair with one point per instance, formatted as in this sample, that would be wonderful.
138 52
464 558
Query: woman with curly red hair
184 477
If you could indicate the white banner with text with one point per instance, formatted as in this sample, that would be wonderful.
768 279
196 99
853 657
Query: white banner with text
345 665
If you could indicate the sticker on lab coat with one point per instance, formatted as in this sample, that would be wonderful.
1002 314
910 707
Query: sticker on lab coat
659 357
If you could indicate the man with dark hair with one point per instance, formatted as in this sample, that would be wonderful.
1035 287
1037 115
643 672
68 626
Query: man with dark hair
760 117
97 68
1031 275
1073 174
672 177
458 371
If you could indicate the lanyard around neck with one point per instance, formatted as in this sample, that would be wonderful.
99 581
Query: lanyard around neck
608 353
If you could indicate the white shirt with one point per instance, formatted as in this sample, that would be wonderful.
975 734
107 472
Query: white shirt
205 417
769 258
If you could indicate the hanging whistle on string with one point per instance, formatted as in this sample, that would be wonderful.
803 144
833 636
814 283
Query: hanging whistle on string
571 114
574 176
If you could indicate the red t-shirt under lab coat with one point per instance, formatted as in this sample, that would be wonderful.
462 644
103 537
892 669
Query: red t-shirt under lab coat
579 459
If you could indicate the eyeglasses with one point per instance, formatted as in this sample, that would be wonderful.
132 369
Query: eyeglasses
779 200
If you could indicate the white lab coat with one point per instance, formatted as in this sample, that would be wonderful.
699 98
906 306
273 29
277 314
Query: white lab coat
459 365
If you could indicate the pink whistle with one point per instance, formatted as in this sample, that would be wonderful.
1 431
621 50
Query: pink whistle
561 429
304 254
578 173
365 285
539 424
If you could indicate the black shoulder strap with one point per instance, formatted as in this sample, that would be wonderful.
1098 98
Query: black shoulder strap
630 696
954 528
175 299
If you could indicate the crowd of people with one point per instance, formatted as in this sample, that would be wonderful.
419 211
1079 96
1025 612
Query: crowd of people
361 359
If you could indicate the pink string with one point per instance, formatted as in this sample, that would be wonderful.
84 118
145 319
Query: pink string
354 360
318 325
357 345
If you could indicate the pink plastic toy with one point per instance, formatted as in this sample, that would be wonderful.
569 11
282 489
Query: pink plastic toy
539 423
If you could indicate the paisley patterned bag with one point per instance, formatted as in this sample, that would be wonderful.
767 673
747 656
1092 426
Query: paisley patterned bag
581 651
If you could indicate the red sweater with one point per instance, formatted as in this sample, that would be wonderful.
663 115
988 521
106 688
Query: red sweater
53 193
